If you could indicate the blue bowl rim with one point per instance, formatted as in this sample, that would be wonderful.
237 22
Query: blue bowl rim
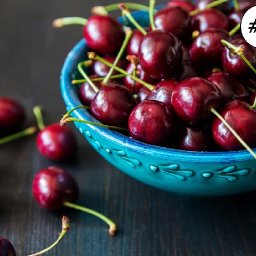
72 101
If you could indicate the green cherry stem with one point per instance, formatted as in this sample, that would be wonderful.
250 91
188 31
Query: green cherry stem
254 104
243 143
208 6
128 36
239 52
236 5
37 110
109 222
104 10
24 133
66 21
97 79
94 56
65 229
67 115
152 4
66 120
87 78
128 15
234 30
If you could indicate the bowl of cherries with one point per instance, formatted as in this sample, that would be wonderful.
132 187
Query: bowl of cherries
167 95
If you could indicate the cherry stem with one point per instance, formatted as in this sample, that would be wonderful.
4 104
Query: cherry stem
66 120
67 115
87 78
66 21
208 6
128 36
234 30
126 13
65 229
98 79
112 225
239 52
37 110
94 56
104 10
27 132
254 104
236 5
195 34
152 4
243 143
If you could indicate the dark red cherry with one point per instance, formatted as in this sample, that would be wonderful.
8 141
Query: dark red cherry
135 86
193 98
12 114
242 118
194 139
234 64
229 86
187 71
102 70
163 92
174 20
184 4
152 122
6 248
160 54
134 43
86 92
206 50
56 142
235 18
142 94
52 187
201 4
104 34
112 105
209 18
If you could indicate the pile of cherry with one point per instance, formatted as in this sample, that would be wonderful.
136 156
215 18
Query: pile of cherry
170 84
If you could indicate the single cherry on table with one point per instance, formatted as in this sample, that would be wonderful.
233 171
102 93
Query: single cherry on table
6 248
54 188
55 142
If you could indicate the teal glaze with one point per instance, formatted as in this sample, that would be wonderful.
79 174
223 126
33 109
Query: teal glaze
193 173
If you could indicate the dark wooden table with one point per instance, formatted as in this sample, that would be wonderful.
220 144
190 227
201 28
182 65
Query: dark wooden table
151 222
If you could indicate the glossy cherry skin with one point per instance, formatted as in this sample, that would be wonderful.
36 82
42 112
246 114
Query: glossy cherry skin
103 34
160 54
142 94
233 63
206 50
230 87
163 92
185 5
134 43
101 69
6 248
201 4
112 105
194 139
56 142
53 186
193 98
12 114
174 20
209 18
152 122
135 86
242 119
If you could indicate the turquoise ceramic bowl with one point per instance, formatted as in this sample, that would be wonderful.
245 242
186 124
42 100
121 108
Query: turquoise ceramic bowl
193 173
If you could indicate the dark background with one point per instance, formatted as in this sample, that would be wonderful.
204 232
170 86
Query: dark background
151 222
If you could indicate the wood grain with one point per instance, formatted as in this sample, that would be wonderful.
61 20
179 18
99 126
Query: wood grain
151 222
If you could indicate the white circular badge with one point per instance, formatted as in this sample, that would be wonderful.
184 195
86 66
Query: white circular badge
248 26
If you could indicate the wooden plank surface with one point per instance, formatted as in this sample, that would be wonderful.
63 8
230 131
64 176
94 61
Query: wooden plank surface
151 222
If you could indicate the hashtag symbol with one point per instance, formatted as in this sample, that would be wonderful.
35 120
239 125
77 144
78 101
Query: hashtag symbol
252 27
